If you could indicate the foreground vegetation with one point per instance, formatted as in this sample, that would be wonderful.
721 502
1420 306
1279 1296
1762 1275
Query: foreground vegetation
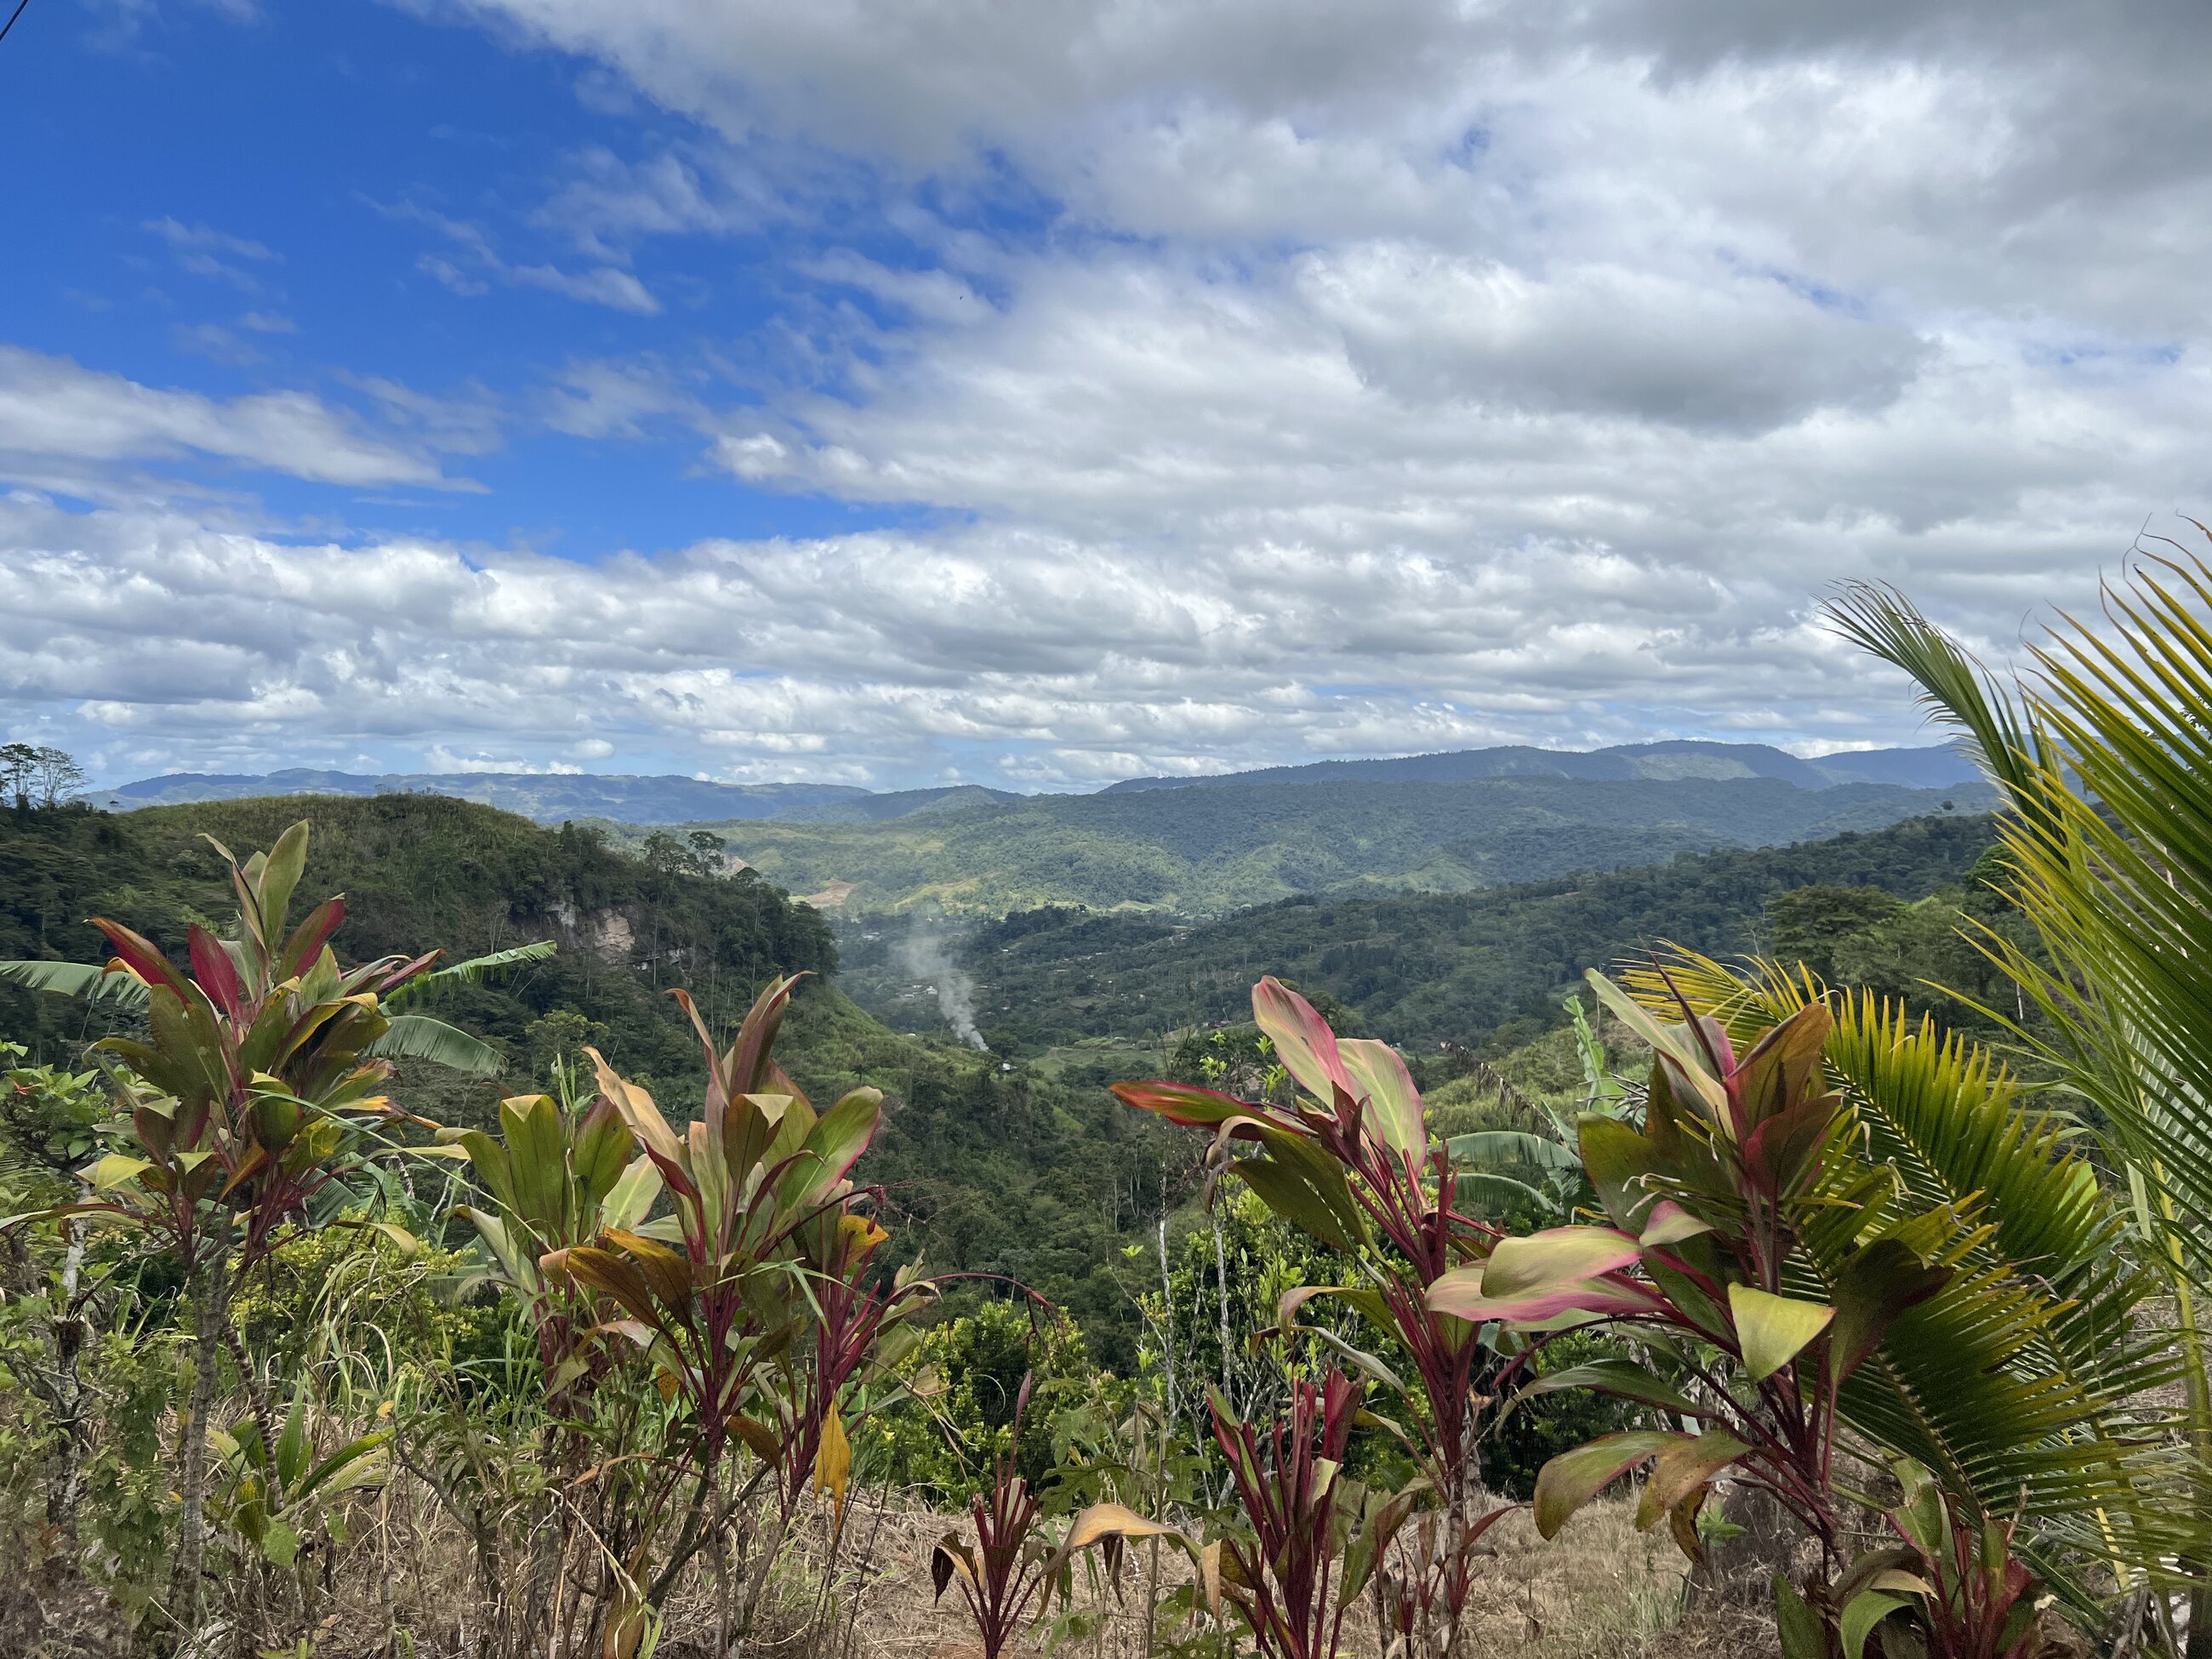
310 1352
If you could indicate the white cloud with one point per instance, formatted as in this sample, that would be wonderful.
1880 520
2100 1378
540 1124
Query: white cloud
1263 380
67 427
1012 657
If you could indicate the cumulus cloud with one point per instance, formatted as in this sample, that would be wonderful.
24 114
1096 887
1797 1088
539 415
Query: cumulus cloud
1256 381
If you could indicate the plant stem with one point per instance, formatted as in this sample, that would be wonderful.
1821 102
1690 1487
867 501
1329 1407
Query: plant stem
211 1291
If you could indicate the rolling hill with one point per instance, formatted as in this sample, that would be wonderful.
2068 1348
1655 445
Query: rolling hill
551 798
1417 969
1940 767
1205 851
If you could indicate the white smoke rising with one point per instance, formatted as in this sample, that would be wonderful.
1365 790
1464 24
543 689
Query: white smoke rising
927 953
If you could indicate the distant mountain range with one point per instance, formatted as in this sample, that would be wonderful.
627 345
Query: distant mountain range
1204 851
1938 768
550 798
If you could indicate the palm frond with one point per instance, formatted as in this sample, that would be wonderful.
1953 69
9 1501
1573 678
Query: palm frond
2015 1376
418 1036
495 966
86 980
1955 689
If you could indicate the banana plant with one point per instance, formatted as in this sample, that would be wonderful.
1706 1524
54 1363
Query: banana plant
1755 1245
1494 1162
1349 1162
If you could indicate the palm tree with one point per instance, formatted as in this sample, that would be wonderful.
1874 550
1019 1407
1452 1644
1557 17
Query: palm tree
2102 748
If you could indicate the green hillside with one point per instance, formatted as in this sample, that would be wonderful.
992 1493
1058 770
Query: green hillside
1014 1161
1416 969
993 1171
1206 851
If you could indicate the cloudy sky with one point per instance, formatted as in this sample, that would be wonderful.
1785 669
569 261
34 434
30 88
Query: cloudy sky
1042 391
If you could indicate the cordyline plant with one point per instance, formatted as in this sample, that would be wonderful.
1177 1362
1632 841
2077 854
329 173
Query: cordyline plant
556 1179
1756 1246
1009 1575
1318 1538
860 1334
1350 1163
717 1310
1950 1587
234 1106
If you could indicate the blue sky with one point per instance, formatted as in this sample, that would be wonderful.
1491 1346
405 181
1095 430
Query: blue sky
1039 394
276 195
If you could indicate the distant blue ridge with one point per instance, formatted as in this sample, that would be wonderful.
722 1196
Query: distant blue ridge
549 798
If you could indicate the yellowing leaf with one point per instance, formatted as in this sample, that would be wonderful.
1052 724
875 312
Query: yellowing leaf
1573 1478
114 1169
1772 1330
1556 1256
833 1460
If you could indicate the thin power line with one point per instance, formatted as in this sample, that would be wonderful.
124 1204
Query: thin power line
12 16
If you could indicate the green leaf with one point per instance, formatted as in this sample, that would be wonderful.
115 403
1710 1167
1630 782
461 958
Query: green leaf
1680 1468
1556 1255
280 1544
112 1170
1623 1378
1797 1624
1493 1147
1862 1613
477 970
1771 1330
632 1196
418 1036
94 983
1573 1478
1394 1104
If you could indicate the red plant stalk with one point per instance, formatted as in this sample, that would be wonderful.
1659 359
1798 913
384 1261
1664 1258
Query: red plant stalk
1009 1570
1287 1484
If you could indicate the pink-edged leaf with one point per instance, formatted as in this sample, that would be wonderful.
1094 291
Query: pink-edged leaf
1555 1257
1302 1040
1182 1103
1394 1104
1573 1478
396 977
1462 1298
1670 1224
216 973
139 955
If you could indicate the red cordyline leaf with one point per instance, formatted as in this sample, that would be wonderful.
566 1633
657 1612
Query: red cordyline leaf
216 973
310 936
1303 1041
140 955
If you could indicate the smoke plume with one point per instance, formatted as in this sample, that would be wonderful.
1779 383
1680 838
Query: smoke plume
927 954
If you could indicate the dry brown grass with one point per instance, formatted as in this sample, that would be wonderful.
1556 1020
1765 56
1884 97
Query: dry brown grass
1600 1591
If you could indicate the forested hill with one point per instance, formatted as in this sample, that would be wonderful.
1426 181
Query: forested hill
1204 851
992 1170
1415 969
418 873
